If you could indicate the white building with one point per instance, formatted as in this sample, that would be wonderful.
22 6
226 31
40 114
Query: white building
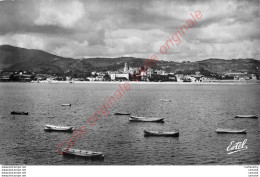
115 76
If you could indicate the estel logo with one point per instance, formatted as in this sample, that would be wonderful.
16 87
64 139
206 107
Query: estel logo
235 147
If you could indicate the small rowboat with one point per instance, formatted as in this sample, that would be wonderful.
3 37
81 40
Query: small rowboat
82 153
66 105
122 113
145 119
19 113
226 130
165 100
58 128
246 116
158 133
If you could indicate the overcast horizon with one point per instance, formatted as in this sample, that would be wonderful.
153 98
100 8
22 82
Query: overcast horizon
77 28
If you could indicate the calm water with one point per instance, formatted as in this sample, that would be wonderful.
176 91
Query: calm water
196 111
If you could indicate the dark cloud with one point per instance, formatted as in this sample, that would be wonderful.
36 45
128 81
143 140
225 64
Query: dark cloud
139 27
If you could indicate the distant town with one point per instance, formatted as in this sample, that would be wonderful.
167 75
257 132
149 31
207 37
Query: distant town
128 73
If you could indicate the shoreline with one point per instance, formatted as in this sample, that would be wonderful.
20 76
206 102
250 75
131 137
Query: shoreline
229 82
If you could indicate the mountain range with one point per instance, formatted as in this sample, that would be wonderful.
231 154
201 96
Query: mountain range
14 58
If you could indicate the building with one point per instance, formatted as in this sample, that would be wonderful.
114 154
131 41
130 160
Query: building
119 76
149 72
93 73
68 78
97 78
6 75
161 72
197 77
238 75
179 77
23 77
253 77
132 70
91 78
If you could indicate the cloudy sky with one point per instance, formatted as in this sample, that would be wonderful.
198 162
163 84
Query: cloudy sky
112 28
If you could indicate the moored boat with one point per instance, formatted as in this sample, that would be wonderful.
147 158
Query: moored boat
20 113
227 130
145 119
246 116
82 153
160 133
58 128
66 105
165 100
122 113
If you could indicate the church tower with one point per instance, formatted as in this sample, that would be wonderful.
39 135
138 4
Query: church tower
126 68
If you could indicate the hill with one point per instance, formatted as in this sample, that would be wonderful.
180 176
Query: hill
15 58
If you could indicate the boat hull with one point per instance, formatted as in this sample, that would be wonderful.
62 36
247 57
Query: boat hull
119 113
235 131
81 153
66 105
19 113
58 128
145 119
246 116
165 100
157 133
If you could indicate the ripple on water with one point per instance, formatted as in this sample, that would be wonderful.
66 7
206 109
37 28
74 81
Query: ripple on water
196 112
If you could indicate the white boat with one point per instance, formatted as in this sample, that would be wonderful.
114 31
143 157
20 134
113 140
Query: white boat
165 100
58 128
159 133
227 130
82 153
145 119
246 116
66 105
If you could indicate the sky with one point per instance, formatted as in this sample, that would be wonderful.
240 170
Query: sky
137 28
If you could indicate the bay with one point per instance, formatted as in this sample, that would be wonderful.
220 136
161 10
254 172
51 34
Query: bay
196 111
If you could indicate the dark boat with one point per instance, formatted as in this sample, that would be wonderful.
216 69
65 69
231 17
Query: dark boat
145 119
159 133
19 113
122 113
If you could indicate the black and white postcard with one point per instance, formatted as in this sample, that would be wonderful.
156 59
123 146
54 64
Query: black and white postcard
138 83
